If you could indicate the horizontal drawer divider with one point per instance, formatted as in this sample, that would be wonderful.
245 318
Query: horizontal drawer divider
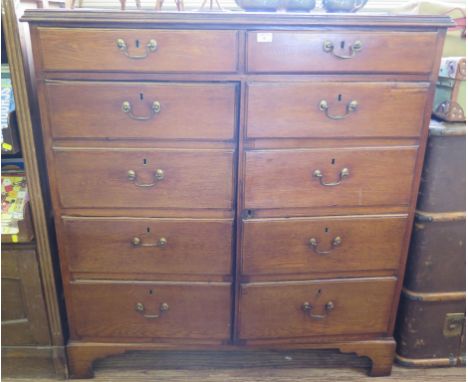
327 217
162 149
147 282
343 280
150 219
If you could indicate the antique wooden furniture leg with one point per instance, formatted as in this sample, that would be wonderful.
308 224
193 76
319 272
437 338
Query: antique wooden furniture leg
380 352
80 362
81 358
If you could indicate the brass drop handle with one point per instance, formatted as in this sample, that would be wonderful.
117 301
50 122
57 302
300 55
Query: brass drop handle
140 308
343 174
161 243
355 47
350 108
307 308
133 177
313 243
150 47
127 109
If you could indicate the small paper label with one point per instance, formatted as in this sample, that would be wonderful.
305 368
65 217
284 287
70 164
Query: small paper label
7 146
264 37
14 238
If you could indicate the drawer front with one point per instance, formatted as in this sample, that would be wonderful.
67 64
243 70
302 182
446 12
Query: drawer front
135 178
143 110
317 308
132 50
303 51
151 246
329 177
328 244
335 109
197 311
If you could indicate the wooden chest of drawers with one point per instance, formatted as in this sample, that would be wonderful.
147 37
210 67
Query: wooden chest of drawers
230 181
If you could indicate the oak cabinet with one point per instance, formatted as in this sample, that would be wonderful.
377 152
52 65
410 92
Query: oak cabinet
233 180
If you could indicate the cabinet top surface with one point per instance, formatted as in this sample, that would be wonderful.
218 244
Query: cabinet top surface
234 19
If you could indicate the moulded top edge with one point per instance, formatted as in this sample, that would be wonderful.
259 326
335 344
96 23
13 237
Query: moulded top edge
236 19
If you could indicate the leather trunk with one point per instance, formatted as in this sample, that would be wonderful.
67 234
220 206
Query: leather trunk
431 318
430 332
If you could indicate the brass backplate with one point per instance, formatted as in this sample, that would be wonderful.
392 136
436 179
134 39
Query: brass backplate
454 323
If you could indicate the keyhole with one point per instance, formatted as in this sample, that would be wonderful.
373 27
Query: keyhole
333 161
342 44
141 96
326 229
340 97
319 291
148 229
150 291
137 43
145 161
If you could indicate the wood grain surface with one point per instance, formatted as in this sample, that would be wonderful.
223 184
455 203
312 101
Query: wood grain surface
244 20
248 366
305 53
285 178
275 310
193 246
276 171
177 50
291 109
98 178
198 310
282 246
187 111
24 318
20 65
